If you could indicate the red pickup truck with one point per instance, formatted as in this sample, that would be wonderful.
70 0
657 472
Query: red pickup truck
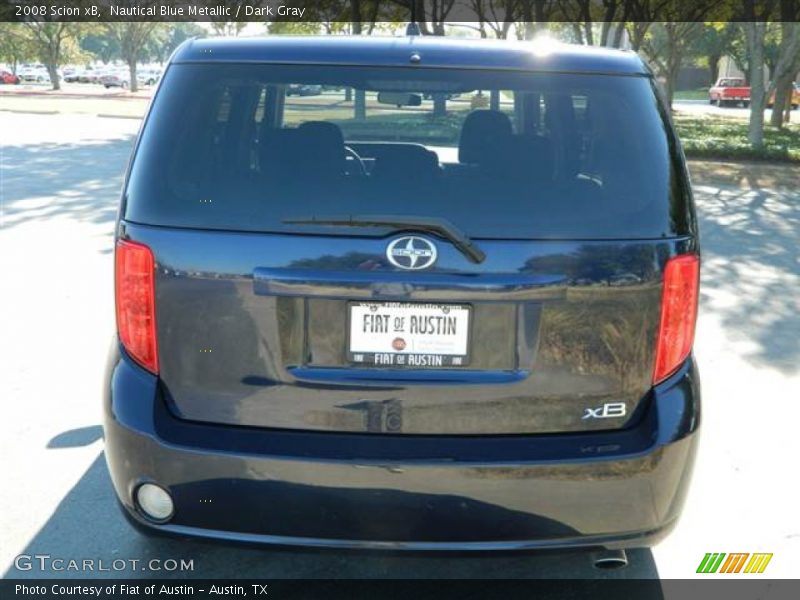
729 91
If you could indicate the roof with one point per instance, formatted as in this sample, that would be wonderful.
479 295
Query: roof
432 52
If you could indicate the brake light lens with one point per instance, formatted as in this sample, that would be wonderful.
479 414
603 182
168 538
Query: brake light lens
136 308
678 314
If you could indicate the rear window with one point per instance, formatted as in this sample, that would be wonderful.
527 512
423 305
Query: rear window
500 154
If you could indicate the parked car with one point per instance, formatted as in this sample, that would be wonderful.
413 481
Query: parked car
115 79
295 89
795 97
728 91
148 76
33 73
8 77
385 333
70 74
91 75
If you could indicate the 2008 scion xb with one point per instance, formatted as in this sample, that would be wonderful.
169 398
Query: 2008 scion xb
443 300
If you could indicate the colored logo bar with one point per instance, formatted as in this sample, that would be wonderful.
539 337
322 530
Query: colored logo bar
716 562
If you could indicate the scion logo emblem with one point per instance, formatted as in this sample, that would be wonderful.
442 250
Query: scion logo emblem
411 252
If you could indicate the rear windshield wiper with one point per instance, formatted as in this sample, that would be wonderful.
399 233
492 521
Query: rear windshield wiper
435 225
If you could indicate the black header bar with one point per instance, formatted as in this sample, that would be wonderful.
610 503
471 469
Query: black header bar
433 12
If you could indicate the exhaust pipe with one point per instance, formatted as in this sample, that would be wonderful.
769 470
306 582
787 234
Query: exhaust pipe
610 560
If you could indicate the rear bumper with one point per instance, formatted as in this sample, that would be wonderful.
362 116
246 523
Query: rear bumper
609 489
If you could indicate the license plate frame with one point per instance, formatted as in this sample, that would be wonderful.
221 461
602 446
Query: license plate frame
406 359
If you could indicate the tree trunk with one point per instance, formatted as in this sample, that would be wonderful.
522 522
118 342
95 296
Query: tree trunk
494 99
439 105
785 71
52 70
619 31
783 97
360 105
755 32
713 66
604 31
134 84
587 31
672 80
528 19
576 31
639 32
531 29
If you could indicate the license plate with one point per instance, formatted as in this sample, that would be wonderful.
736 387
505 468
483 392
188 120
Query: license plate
417 336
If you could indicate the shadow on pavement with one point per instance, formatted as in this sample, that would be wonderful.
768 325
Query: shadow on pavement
76 438
87 524
750 269
77 181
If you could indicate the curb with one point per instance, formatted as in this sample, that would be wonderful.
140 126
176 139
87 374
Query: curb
58 112
30 112
72 96
109 116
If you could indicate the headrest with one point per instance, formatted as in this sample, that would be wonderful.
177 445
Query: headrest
483 134
322 149
310 152
323 132
405 161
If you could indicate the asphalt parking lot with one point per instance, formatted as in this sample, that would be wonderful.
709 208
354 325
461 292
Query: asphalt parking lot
59 185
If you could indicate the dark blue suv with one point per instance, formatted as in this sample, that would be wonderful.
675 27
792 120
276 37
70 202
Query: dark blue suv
446 302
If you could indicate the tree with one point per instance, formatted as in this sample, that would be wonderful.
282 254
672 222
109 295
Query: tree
15 45
579 13
788 62
712 44
756 14
332 16
755 31
666 47
160 47
132 39
642 14
101 45
52 42
295 27
499 15
535 15
227 28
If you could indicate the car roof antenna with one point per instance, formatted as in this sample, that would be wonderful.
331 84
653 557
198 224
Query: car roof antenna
412 28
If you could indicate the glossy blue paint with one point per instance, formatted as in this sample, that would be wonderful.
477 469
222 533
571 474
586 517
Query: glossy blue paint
434 52
363 491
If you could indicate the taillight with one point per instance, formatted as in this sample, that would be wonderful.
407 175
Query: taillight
678 314
136 306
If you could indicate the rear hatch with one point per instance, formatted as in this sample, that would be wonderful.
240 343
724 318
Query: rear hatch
406 251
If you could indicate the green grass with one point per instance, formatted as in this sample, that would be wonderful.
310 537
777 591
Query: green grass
420 127
698 94
724 138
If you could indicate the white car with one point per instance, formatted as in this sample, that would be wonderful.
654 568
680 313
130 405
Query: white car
33 73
